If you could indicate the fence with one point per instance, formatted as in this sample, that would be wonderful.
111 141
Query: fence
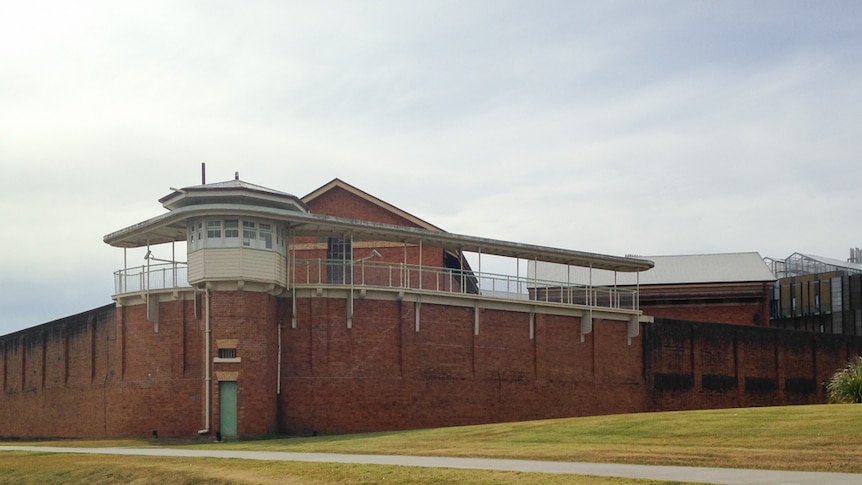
317 272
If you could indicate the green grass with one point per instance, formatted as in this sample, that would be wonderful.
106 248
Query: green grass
811 438
814 438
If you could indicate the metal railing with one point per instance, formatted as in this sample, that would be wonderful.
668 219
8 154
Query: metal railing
400 276
317 272
152 277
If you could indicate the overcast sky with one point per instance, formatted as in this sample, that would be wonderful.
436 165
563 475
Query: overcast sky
635 127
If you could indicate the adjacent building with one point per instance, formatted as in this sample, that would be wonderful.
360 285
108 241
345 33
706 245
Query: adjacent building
817 294
721 288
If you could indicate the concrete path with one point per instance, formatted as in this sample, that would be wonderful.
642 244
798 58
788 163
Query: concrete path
674 473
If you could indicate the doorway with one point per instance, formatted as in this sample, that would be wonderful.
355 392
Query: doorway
227 407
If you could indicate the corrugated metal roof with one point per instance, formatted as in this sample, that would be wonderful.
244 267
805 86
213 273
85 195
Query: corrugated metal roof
227 185
671 270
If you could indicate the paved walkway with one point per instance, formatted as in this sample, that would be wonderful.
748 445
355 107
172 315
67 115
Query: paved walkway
675 473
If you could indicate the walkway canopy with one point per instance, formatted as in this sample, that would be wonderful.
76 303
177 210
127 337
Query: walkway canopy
172 227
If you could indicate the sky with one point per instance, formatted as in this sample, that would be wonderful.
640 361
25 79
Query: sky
615 127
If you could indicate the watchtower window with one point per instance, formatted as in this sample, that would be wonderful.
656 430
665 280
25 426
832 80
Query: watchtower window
249 233
231 228
214 229
225 233
266 235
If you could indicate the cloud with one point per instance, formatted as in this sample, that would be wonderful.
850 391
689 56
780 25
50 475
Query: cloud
617 127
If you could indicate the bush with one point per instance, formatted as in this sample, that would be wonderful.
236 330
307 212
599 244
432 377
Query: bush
846 385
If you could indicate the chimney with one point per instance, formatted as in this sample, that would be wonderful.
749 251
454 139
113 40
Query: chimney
203 173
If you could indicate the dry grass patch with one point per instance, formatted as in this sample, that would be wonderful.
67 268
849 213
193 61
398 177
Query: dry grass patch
54 469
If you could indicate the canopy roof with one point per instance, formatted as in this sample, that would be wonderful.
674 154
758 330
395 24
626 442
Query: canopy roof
172 226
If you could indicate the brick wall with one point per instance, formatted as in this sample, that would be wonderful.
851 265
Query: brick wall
249 318
737 303
735 313
691 365
383 374
109 373
105 372
341 203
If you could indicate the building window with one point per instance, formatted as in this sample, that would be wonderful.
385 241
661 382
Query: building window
231 228
817 296
339 253
214 229
225 233
227 351
249 233
266 235
195 235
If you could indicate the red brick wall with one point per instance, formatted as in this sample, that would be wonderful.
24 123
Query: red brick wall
736 313
104 373
156 381
737 303
693 365
249 318
382 374
51 374
341 203
108 373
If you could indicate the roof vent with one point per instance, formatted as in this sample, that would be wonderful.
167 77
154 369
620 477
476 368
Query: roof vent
236 175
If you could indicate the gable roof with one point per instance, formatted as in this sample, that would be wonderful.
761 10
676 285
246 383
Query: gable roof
338 183
708 268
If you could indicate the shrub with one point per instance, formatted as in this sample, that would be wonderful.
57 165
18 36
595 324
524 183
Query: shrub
846 385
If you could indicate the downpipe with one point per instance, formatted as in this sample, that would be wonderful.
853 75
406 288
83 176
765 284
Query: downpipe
208 375
278 363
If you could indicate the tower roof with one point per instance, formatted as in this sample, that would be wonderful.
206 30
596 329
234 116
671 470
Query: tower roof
232 191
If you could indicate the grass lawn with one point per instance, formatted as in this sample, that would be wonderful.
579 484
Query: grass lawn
813 438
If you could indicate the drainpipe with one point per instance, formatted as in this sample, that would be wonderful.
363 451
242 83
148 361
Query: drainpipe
278 369
208 376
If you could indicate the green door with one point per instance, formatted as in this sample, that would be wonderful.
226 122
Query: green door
227 407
